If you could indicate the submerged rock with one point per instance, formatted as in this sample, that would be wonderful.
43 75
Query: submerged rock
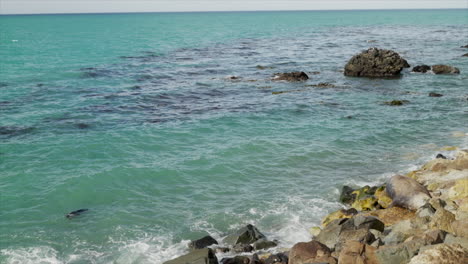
421 68
202 242
291 76
445 69
246 235
406 192
396 102
465 55
197 256
432 94
375 62
310 252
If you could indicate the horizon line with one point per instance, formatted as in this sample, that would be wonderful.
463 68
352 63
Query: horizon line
227 11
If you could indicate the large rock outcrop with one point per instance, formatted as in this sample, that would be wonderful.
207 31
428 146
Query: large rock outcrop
375 62
406 192
445 69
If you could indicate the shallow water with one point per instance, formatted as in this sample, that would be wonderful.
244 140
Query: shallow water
135 117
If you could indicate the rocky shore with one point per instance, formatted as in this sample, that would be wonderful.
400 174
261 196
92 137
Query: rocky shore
417 218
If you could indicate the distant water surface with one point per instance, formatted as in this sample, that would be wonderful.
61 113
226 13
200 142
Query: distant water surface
136 117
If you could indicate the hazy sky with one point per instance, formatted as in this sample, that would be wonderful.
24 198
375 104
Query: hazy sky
86 6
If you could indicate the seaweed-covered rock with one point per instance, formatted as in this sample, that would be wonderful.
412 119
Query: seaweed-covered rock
310 252
291 76
202 242
382 197
245 235
375 62
197 256
445 69
342 213
421 68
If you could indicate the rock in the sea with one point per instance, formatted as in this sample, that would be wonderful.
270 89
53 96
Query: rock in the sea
422 68
406 192
442 254
279 258
240 248
310 252
264 244
197 256
466 46
396 102
246 235
355 252
465 55
291 76
445 69
432 94
202 242
375 62
347 196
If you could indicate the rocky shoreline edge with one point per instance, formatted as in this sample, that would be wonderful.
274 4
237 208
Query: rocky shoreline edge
417 218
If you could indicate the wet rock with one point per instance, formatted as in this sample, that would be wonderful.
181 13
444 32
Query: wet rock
246 235
441 254
240 248
264 244
432 94
445 69
466 46
422 68
375 62
342 213
198 256
406 192
202 242
347 196
279 258
310 252
465 55
355 252
396 102
291 76
15 131
440 156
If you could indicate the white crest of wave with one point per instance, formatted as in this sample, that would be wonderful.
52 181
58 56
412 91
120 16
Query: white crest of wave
32 255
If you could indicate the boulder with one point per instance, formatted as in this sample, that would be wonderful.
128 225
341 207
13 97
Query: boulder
392 215
406 192
422 68
253 259
432 94
240 248
442 254
202 242
375 62
279 258
465 55
451 239
246 235
442 220
264 244
197 256
347 196
445 69
310 252
356 252
460 228
291 76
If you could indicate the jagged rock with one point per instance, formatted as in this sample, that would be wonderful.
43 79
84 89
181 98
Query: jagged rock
310 252
445 69
406 192
197 256
432 94
264 244
451 239
291 76
460 228
202 242
426 211
355 252
396 102
442 220
342 213
421 68
375 62
279 258
442 254
245 235
240 248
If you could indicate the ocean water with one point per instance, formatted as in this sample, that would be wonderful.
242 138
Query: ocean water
136 117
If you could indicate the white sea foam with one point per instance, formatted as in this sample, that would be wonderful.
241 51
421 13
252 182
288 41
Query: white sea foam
32 255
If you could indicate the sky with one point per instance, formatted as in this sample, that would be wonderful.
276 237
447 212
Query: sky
104 6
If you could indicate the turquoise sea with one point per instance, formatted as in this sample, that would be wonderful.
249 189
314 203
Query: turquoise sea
136 117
